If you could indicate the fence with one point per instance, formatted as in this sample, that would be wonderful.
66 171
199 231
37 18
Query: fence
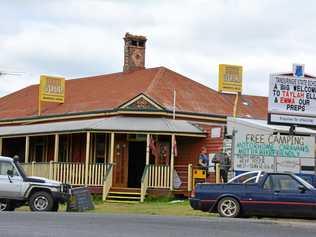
72 173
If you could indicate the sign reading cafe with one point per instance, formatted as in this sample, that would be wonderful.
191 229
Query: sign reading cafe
272 152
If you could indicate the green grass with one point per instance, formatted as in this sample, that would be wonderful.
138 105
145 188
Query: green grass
153 206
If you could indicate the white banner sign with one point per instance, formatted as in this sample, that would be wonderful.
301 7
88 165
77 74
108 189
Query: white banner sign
292 95
272 152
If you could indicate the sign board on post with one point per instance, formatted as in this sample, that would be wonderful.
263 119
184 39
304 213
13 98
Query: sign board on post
257 151
292 100
80 200
230 78
52 89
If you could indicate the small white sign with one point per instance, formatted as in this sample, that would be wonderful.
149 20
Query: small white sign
216 132
288 119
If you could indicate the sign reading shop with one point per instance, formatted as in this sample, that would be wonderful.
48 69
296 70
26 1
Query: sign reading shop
292 98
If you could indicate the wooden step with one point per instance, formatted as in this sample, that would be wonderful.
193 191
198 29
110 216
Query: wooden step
119 189
123 197
124 193
122 201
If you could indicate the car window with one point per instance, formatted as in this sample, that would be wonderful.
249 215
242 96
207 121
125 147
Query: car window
245 178
288 183
281 182
268 184
5 166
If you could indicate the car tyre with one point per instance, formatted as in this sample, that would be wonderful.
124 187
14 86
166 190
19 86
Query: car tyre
55 206
228 207
6 205
41 201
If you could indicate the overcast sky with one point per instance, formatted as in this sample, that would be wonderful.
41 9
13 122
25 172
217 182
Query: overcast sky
77 38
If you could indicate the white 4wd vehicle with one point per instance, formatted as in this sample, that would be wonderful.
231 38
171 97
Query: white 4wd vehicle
17 189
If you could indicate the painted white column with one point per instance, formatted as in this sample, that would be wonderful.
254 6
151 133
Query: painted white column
172 161
27 149
56 147
147 149
1 146
112 148
105 148
87 158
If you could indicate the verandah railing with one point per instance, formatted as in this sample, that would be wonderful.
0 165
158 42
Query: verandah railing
159 176
67 172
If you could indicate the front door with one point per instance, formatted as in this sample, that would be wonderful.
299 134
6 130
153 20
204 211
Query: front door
137 161
120 169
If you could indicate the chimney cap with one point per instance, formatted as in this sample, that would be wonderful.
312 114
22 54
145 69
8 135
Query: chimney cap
134 37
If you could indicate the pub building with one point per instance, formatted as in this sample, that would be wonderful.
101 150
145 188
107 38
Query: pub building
126 134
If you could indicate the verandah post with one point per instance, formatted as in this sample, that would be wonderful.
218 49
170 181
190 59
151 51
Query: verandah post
0 146
27 147
172 161
147 149
87 158
56 147
112 149
50 175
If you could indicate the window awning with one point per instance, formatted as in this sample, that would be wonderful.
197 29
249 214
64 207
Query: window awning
110 124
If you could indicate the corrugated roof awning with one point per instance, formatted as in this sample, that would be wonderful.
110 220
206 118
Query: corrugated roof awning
111 124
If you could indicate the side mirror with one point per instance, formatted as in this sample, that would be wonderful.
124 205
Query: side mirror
10 173
302 188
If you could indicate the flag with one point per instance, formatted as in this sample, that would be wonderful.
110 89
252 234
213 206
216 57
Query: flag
153 146
175 150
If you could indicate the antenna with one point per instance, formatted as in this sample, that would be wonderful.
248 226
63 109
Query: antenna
9 73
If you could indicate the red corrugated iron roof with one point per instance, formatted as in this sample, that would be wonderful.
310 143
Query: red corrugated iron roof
106 92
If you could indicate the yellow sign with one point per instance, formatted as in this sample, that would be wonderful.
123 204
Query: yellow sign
230 78
52 89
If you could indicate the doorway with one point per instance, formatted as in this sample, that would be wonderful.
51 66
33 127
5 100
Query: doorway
137 162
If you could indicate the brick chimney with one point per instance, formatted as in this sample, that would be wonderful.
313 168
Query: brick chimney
134 52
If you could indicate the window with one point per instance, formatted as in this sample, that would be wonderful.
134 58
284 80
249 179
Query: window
268 185
287 183
249 177
281 182
5 166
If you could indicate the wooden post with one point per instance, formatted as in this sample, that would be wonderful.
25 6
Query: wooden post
87 158
27 148
56 148
33 168
217 173
190 177
147 149
105 148
112 148
50 175
172 161
1 146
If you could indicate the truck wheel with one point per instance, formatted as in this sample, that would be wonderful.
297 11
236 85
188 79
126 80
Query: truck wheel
228 207
41 201
5 205
55 206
